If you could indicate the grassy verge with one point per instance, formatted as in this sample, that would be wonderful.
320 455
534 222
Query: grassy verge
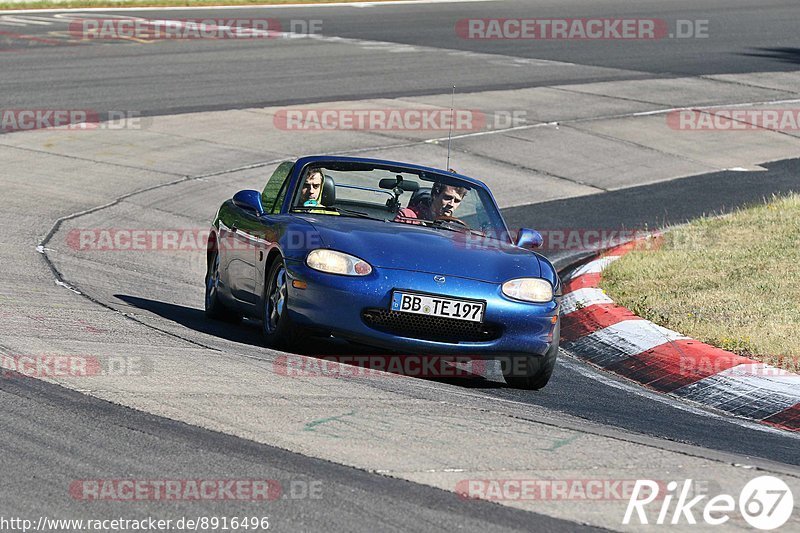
70 4
732 282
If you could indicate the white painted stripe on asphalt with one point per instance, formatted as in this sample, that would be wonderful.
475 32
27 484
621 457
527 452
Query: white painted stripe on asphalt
35 21
754 168
603 117
633 337
595 267
578 299
612 117
251 6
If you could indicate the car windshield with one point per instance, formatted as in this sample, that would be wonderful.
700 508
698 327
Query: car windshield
401 196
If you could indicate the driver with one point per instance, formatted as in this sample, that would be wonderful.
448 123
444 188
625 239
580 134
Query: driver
444 201
312 189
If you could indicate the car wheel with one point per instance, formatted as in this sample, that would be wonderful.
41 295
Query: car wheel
277 328
214 308
532 372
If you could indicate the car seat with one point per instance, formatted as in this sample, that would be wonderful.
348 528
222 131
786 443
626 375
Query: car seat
420 196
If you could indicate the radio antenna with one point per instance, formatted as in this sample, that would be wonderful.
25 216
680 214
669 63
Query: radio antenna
450 132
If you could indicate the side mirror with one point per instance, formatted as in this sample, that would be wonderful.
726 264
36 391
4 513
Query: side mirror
249 201
528 238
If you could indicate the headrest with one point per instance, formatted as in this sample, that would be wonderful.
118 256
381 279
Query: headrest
328 197
421 195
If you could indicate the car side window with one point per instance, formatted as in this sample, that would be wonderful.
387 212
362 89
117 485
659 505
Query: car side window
275 190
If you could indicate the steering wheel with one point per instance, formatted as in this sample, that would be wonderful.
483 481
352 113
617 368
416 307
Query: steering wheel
445 218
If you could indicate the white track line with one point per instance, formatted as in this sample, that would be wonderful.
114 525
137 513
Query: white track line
621 115
251 6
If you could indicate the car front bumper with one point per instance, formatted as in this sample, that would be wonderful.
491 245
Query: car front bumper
336 304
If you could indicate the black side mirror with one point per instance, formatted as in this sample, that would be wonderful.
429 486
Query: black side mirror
530 239
249 201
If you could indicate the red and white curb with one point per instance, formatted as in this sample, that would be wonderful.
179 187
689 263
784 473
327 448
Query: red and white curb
597 330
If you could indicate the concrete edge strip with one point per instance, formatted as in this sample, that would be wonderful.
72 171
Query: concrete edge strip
612 337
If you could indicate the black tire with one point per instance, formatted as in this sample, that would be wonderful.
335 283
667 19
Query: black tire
277 327
532 372
215 309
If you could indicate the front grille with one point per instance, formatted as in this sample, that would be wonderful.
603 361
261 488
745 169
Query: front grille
430 328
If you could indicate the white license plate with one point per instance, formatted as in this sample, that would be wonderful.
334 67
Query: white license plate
437 306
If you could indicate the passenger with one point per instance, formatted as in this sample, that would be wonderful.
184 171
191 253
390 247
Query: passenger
443 202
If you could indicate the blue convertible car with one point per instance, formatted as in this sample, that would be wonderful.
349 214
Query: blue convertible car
402 257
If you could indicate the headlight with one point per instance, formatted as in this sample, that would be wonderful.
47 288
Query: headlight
334 262
529 289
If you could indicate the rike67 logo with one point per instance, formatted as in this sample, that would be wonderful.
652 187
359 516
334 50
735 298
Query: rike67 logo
765 503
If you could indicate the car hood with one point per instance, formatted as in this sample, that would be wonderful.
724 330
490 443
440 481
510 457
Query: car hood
424 249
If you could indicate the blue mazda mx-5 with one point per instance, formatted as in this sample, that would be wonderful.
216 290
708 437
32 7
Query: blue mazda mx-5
407 258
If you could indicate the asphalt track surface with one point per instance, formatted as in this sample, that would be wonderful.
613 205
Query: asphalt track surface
75 436
60 435
173 77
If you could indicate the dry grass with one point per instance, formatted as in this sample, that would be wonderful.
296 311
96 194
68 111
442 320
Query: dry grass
732 282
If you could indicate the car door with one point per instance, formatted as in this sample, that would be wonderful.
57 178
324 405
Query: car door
250 246
241 249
